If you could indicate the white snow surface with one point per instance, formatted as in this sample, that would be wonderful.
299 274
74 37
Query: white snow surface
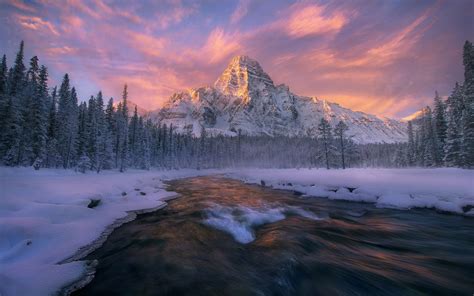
445 189
44 219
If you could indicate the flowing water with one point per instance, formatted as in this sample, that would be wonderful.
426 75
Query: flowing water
224 237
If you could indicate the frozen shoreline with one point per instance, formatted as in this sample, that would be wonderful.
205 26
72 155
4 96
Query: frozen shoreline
446 189
46 224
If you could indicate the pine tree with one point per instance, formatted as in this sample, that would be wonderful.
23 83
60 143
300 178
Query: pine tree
17 77
28 99
103 141
52 154
324 131
111 134
452 146
92 131
10 141
82 130
467 148
340 133
68 118
122 130
428 139
133 138
440 125
411 153
3 93
3 76
38 117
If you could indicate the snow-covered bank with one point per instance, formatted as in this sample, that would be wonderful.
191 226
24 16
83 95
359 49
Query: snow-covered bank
45 219
450 190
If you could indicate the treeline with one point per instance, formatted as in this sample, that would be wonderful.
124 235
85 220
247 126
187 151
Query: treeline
444 136
45 127
48 127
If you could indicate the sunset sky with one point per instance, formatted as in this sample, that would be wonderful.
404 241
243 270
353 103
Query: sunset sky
381 57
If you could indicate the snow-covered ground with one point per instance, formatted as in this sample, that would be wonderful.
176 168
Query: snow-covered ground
446 189
45 219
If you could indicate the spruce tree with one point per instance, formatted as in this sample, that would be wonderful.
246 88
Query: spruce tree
39 116
324 131
428 137
3 93
122 130
340 132
133 138
68 123
3 76
467 148
52 154
10 140
411 153
17 77
440 126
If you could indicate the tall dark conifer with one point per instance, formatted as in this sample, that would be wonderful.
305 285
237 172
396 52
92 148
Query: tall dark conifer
468 112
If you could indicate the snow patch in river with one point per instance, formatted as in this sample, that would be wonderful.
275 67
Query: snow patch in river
239 221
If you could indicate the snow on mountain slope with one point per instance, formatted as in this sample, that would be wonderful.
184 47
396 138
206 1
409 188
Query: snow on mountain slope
245 98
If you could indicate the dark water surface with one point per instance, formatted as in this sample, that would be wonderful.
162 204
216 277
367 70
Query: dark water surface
223 237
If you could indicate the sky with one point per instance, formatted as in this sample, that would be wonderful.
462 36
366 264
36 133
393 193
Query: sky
381 57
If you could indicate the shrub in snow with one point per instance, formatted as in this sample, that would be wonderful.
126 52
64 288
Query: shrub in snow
83 164
38 163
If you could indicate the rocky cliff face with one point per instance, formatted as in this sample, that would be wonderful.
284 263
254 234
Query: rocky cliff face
245 98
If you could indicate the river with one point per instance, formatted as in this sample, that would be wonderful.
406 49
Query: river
224 237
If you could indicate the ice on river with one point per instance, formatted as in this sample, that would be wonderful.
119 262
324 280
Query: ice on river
240 221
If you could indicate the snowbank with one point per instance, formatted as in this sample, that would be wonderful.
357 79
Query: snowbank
45 219
450 190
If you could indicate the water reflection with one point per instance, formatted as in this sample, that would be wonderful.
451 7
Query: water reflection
297 247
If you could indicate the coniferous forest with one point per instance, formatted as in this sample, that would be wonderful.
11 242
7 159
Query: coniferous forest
48 126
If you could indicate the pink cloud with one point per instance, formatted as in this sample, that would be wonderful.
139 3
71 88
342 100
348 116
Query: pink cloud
220 46
36 23
240 11
147 44
19 4
314 20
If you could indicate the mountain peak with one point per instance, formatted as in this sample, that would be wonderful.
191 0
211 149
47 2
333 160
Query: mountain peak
242 75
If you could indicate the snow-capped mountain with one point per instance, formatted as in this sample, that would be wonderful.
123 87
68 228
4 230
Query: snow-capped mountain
245 98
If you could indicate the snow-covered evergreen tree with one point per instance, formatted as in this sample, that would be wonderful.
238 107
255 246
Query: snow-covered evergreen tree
10 142
324 131
411 151
452 146
122 131
467 148
440 126
340 133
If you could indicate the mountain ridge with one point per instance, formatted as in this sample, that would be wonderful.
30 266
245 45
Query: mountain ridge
244 97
